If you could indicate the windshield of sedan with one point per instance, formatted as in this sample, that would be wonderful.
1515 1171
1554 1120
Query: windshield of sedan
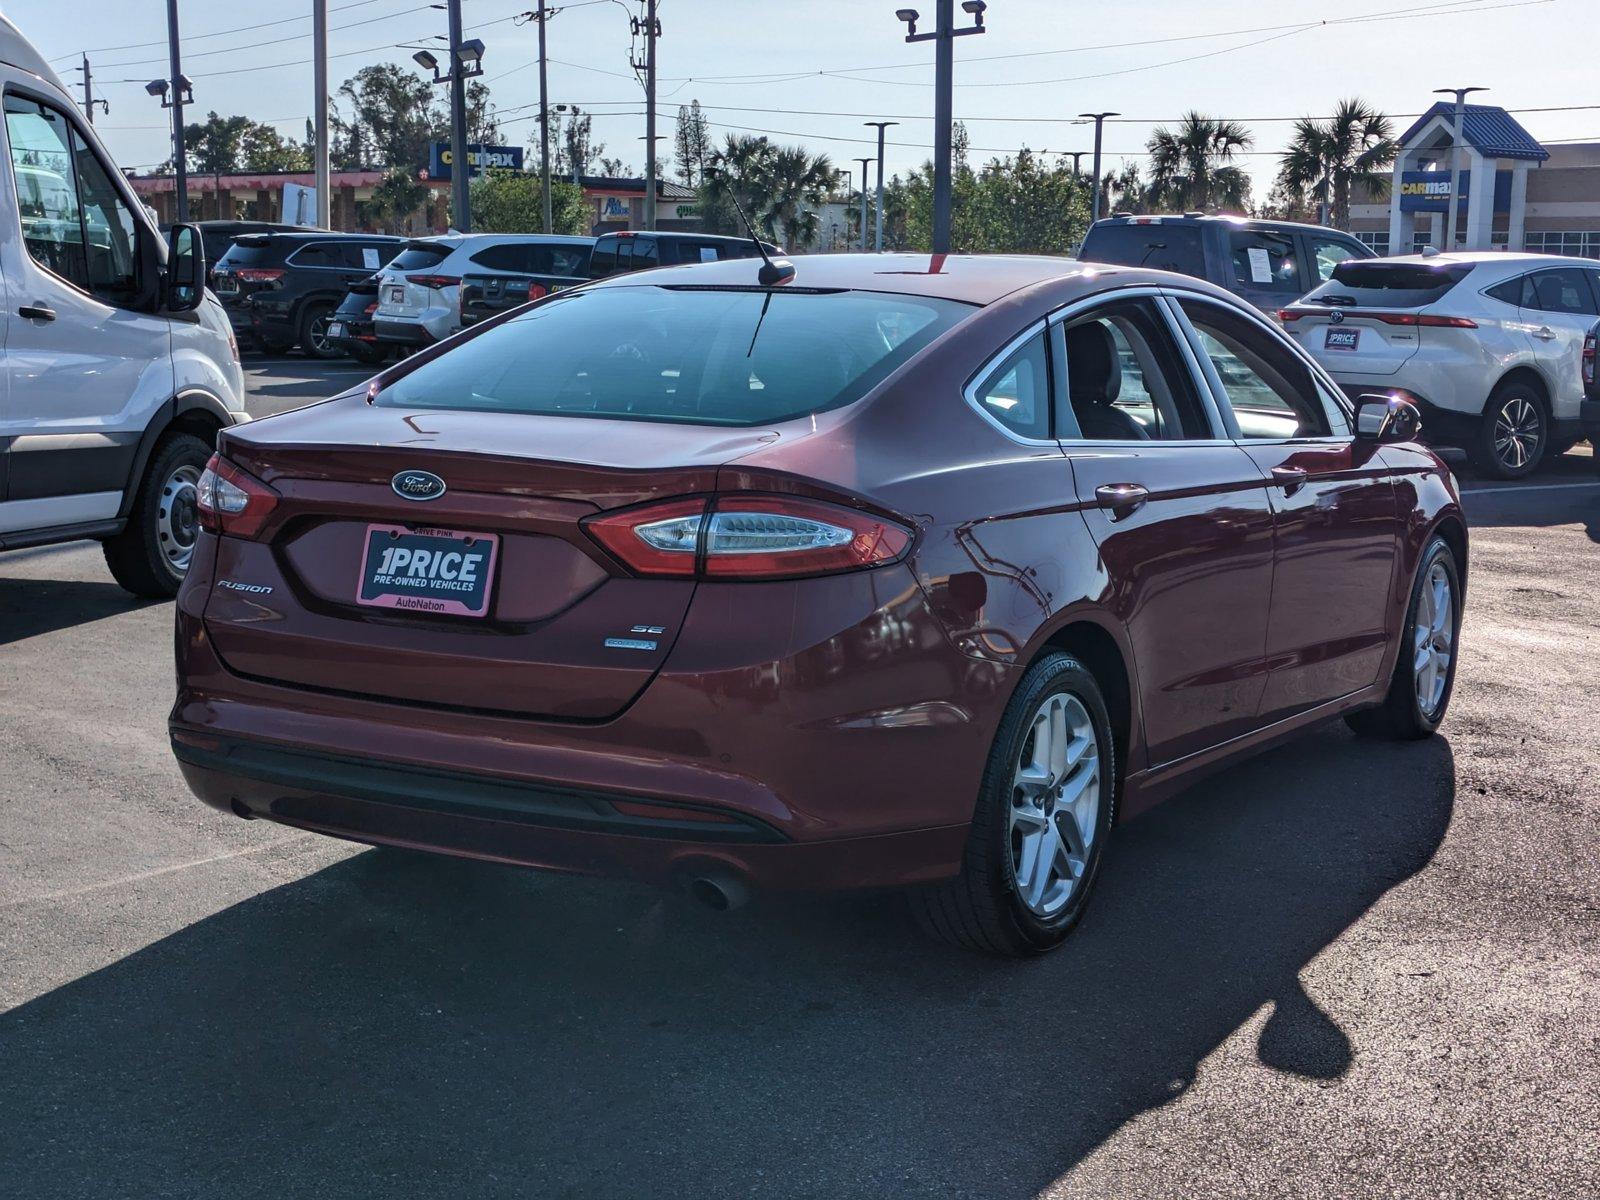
702 356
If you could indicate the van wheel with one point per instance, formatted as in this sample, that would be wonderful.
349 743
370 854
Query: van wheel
314 332
1515 432
1043 813
150 556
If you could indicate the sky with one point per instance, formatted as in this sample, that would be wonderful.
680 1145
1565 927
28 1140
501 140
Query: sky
813 72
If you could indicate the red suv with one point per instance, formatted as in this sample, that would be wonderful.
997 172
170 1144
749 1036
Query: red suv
906 572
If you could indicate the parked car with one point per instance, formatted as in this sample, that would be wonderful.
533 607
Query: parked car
120 367
351 329
886 576
1489 345
419 293
521 273
638 250
1268 263
281 289
1589 409
218 236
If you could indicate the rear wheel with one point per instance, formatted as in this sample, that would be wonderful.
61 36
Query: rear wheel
1043 812
1425 669
314 332
1515 433
150 556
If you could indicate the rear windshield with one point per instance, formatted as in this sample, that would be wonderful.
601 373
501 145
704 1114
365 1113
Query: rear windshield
419 256
684 355
1161 247
264 253
1380 284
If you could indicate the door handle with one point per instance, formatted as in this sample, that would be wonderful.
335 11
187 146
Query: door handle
1122 499
1290 479
37 312
1545 334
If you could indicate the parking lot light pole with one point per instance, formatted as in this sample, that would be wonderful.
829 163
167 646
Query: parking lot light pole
865 163
1461 95
1099 120
324 182
943 36
544 125
877 236
460 169
174 100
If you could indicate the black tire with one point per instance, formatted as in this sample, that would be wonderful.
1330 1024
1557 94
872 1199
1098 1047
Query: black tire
983 909
1402 715
162 522
314 332
1514 436
367 354
273 346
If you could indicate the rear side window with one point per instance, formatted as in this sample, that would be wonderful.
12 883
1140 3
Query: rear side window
1017 392
318 254
1328 253
1264 262
533 258
682 355
420 256
1379 283
1560 290
1160 247
603 261
1509 292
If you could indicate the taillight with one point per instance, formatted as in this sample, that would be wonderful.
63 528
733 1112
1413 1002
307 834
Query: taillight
537 291
1589 349
270 275
1388 318
434 281
1288 314
370 309
231 500
748 537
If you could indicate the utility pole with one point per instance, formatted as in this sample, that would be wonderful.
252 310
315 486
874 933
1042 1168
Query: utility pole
460 169
324 178
877 237
650 26
865 163
1099 120
1461 95
943 37
174 62
541 15
89 101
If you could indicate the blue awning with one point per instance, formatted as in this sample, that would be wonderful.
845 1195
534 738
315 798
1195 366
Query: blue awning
1491 131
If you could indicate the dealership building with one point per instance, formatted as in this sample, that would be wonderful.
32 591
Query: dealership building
1513 192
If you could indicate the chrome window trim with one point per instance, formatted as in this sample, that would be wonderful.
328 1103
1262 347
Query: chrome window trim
987 371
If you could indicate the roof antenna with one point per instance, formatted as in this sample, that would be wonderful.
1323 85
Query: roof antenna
772 272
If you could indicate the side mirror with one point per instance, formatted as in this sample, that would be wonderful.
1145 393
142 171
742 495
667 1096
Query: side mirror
1386 418
186 269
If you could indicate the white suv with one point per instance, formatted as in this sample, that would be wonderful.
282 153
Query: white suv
419 292
1489 344
120 367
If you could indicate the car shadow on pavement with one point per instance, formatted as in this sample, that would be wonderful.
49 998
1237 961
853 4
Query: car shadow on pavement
29 607
402 1024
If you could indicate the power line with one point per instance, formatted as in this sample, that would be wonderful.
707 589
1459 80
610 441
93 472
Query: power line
195 37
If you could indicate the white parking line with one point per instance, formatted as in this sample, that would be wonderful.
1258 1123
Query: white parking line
1518 488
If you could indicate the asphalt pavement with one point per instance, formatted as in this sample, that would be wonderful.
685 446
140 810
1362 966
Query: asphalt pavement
1345 968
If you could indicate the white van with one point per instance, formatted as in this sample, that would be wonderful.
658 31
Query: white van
119 367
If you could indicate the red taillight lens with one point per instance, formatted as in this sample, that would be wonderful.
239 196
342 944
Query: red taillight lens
1588 359
749 537
231 500
1288 314
537 291
1388 318
434 281
259 274
370 309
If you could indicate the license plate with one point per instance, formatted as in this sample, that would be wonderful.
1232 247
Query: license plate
427 570
336 329
397 295
1341 339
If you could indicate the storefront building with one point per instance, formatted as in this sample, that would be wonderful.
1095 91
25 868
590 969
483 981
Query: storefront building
1513 192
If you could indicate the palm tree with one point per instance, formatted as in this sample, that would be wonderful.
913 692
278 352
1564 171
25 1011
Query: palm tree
1327 160
1193 168
799 185
780 188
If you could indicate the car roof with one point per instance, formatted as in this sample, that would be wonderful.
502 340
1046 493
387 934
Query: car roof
457 241
1221 219
1521 260
674 235
971 278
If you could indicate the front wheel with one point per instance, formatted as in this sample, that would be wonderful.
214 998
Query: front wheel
1514 435
1040 825
151 554
1425 668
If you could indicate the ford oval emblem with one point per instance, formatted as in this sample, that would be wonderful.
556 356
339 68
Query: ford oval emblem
417 485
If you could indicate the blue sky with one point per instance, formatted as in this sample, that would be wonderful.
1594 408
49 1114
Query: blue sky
830 64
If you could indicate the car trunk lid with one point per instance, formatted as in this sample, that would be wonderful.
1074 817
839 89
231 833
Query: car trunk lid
1372 316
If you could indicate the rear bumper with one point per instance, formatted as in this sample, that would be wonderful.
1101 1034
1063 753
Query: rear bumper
405 333
1440 426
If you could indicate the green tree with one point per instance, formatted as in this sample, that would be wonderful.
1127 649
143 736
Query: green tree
1327 160
512 202
692 142
214 146
1193 166
780 188
1014 205
263 148
396 199
393 117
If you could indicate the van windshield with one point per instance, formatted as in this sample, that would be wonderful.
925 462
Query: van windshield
700 356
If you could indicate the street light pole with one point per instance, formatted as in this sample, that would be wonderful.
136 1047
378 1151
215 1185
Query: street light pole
175 65
943 37
1099 120
324 180
877 237
544 126
1461 95
865 163
460 169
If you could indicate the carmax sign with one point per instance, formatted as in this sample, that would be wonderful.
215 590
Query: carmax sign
479 159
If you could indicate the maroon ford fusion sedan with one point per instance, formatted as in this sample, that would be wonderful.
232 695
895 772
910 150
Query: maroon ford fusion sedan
902 572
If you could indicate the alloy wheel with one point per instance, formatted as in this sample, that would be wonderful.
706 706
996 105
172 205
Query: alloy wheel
1434 639
318 334
177 520
1518 430
1055 804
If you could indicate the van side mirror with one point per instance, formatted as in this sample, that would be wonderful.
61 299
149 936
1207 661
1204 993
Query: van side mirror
1382 417
185 283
